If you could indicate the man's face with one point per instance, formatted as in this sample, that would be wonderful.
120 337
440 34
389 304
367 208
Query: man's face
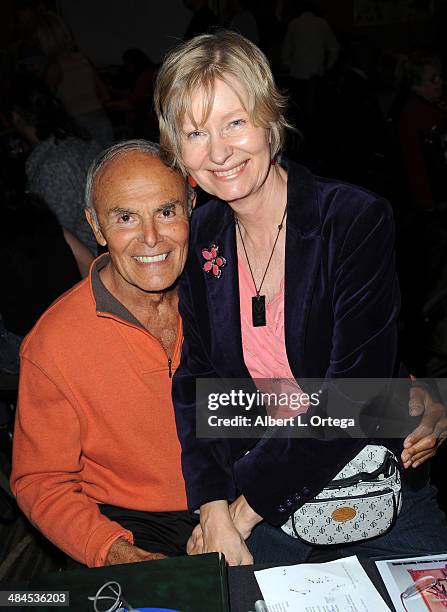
142 215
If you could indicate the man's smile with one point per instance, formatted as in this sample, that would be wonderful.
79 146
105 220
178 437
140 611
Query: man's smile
150 259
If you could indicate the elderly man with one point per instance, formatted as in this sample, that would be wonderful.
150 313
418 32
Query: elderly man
96 463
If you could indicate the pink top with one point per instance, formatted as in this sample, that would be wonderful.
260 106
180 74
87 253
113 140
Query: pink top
265 347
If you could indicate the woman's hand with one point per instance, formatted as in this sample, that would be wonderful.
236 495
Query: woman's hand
194 546
217 533
423 442
243 516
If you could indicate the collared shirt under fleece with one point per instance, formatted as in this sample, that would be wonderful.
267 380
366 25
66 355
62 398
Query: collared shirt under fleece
95 422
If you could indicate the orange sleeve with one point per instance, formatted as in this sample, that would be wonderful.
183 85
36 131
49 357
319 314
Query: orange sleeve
47 471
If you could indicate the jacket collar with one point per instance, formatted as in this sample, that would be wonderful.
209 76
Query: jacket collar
106 302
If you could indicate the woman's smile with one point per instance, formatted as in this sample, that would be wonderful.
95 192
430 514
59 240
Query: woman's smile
232 172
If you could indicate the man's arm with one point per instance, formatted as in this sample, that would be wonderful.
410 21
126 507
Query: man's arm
47 471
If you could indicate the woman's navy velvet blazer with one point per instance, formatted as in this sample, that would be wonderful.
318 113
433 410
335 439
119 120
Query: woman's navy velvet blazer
341 308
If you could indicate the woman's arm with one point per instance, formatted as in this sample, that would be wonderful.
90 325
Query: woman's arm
206 462
81 253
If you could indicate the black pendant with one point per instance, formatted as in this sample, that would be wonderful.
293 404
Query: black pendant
258 310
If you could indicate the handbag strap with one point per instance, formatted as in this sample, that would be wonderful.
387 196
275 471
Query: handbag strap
388 466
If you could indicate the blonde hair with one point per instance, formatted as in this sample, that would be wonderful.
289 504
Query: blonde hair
197 63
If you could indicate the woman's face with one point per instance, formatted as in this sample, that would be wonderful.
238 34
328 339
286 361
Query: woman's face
228 156
430 84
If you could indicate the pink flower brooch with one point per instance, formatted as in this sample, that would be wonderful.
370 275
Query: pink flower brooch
214 262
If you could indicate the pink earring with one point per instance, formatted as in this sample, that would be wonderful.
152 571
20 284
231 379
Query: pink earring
192 182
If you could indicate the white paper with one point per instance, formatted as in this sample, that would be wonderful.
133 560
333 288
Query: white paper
337 586
397 576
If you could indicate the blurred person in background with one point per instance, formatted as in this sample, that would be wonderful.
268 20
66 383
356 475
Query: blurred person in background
135 98
421 118
353 132
40 261
202 20
59 158
71 77
242 20
309 50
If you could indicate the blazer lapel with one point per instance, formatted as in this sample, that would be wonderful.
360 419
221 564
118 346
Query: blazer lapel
223 297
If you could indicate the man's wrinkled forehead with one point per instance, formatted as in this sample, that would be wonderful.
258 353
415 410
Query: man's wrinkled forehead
132 171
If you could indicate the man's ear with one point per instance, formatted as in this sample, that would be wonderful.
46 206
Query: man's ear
93 222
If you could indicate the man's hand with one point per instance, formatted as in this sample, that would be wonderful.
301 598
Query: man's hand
217 533
124 552
422 443
243 516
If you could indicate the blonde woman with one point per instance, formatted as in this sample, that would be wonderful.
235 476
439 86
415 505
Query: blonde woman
288 276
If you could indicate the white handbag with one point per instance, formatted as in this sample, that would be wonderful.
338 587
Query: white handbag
360 503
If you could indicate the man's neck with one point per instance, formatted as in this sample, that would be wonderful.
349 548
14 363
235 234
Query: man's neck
142 304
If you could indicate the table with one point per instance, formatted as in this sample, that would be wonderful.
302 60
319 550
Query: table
198 580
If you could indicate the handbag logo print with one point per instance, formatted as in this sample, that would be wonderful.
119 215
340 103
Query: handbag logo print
358 509
345 513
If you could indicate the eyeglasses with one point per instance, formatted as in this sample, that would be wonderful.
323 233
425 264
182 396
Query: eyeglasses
115 594
429 584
